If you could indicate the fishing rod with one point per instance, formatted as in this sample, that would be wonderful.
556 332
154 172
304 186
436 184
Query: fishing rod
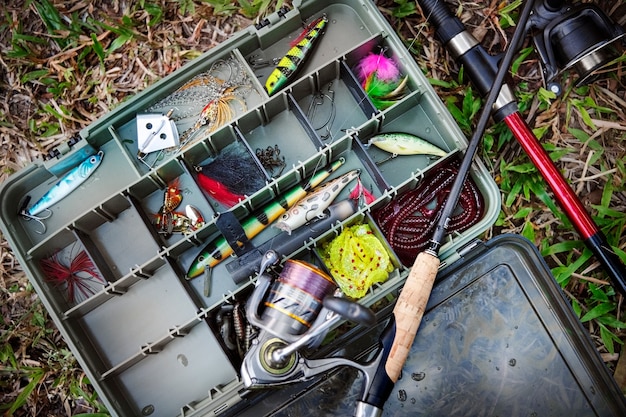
481 69
399 334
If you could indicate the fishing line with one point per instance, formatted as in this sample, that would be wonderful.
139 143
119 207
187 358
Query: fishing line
296 296
421 28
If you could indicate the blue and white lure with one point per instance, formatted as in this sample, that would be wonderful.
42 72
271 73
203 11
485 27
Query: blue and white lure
68 183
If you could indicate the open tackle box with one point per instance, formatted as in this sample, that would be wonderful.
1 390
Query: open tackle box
152 341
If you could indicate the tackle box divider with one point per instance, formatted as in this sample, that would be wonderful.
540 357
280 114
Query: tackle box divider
256 84
353 84
241 138
304 121
360 150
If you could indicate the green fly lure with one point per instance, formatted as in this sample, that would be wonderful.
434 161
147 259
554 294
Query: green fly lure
289 65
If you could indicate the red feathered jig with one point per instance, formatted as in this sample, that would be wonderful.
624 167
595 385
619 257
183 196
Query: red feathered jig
361 193
219 191
76 276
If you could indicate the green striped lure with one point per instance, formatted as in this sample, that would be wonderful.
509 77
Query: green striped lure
289 65
219 249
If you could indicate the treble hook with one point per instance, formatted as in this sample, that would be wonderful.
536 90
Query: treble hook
38 219
390 157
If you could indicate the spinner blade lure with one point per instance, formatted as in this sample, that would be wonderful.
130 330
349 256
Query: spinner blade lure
68 183
209 100
293 60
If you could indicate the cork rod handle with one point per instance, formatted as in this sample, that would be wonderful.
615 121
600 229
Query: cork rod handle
409 310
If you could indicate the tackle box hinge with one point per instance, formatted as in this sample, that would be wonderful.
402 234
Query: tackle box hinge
63 148
273 18
472 246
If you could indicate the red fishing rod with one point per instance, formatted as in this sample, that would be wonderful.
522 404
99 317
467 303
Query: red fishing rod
481 69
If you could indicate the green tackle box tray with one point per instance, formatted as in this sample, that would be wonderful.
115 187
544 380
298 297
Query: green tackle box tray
146 336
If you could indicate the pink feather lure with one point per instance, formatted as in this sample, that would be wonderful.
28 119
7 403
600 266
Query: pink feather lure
381 79
385 68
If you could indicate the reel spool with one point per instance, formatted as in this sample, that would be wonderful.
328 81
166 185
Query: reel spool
582 37
295 299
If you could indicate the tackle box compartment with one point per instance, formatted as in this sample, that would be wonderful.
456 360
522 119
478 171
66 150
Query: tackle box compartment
149 339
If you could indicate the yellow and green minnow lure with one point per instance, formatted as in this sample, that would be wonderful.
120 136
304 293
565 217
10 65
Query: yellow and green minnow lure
289 65
219 249
398 143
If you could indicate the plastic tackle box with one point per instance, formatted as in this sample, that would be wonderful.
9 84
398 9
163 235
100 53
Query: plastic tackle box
152 341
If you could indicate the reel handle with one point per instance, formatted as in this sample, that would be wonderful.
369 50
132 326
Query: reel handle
350 310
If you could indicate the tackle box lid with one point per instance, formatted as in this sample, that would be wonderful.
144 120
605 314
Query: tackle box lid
498 338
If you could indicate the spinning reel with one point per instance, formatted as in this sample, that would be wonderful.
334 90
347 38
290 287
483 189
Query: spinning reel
295 312
581 37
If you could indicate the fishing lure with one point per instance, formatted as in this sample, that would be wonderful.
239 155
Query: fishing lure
361 194
217 111
172 196
208 100
231 175
381 79
75 276
357 260
408 221
219 249
172 222
398 143
68 183
300 50
314 204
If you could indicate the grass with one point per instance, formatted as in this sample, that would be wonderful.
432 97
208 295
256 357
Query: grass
65 63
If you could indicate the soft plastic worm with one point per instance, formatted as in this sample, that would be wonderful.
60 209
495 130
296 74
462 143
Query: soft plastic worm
409 220
357 260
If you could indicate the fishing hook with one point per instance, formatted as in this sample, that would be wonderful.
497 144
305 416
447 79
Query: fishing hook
38 219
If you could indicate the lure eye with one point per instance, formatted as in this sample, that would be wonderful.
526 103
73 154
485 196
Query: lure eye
93 159
200 258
